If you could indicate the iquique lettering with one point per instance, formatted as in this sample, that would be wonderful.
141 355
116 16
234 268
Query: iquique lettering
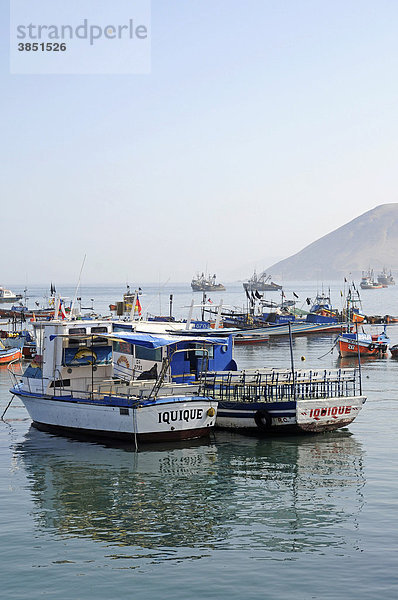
188 414
332 411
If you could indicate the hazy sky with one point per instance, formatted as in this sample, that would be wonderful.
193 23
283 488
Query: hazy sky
262 126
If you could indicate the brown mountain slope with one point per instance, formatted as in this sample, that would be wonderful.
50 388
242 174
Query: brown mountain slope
370 240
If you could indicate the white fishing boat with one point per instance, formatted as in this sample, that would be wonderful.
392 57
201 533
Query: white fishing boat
8 295
88 378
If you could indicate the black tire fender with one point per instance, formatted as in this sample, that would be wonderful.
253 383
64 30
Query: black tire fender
263 420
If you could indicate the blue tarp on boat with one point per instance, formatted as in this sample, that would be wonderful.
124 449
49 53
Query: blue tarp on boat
155 341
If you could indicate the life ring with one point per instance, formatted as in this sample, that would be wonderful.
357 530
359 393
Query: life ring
211 412
263 420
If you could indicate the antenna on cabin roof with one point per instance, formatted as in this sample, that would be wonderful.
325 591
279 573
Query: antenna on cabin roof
77 288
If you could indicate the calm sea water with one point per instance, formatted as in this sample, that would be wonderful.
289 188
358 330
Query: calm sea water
232 517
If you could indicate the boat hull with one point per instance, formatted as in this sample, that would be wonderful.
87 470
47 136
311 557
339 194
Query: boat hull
8 356
350 348
311 416
208 288
160 420
253 338
8 299
262 287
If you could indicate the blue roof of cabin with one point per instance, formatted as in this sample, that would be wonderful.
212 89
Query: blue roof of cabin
154 341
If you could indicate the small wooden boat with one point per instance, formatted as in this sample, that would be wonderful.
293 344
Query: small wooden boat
267 401
350 344
8 355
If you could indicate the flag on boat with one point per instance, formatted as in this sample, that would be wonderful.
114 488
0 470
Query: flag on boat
62 309
137 307
295 295
209 300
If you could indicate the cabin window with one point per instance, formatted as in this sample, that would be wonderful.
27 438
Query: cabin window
200 352
98 341
60 383
143 353
122 347
75 342
77 331
99 330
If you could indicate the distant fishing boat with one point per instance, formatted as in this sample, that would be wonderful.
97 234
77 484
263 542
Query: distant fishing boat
206 283
261 283
8 295
385 278
368 282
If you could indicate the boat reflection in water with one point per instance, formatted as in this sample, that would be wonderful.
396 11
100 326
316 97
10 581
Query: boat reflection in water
232 493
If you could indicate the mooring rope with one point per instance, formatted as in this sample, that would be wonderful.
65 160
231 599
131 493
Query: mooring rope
329 351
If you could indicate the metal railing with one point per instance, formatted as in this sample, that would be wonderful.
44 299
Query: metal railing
280 385
97 390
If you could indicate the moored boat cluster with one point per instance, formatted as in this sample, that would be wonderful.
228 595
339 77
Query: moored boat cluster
124 377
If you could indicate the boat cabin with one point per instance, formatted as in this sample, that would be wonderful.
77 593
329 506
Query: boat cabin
77 354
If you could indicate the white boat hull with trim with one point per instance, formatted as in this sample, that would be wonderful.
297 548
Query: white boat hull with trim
161 419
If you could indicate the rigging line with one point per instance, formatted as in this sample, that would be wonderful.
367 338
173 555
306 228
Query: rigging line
153 299
77 287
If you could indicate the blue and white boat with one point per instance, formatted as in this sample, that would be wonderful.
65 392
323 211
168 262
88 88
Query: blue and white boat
266 401
87 378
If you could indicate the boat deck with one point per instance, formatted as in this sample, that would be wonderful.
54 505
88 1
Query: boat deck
281 385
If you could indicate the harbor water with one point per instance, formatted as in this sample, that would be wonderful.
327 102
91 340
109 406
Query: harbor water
234 516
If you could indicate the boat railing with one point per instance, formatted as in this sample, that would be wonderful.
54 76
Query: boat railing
282 385
15 371
142 389
94 390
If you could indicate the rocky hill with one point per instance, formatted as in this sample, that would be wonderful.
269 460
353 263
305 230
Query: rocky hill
369 241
